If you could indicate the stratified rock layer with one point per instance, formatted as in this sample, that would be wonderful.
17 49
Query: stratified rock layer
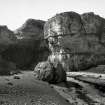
76 41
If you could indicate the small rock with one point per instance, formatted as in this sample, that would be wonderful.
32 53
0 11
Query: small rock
9 83
16 77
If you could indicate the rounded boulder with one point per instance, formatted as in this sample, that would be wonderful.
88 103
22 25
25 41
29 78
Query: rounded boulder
47 72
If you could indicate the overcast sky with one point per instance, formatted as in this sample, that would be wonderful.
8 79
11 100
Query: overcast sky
14 13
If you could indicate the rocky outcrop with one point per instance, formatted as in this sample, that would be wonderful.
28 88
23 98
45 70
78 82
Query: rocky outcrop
6 38
6 35
47 72
76 41
29 47
31 29
25 47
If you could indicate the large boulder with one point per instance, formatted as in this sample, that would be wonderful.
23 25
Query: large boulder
46 71
77 41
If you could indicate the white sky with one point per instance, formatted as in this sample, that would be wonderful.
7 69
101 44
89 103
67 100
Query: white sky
14 13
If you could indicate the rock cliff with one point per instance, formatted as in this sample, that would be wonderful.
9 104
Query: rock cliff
31 29
47 72
29 48
76 41
7 38
25 47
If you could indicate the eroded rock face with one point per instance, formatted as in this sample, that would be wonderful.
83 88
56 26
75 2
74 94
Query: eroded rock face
46 71
76 41
7 38
6 67
29 47
31 29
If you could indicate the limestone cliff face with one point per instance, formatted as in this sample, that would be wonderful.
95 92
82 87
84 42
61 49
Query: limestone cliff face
76 41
